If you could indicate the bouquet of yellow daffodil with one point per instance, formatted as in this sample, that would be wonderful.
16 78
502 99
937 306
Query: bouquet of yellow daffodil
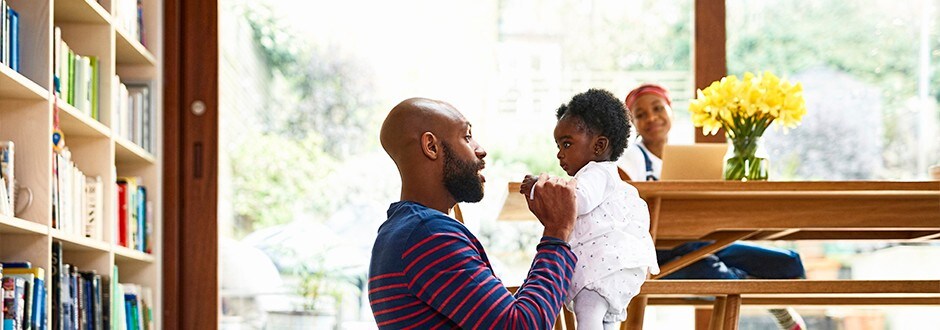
745 108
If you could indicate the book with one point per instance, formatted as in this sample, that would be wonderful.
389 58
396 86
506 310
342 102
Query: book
33 295
5 34
94 85
70 62
36 315
3 30
57 61
133 311
94 207
141 218
14 40
15 264
131 210
119 310
56 209
81 304
94 311
72 305
78 81
58 283
13 302
122 213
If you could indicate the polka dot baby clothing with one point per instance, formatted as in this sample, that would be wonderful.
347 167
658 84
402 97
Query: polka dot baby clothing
611 236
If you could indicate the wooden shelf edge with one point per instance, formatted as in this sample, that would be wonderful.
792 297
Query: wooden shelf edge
123 253
17 86
85 125
80 11
19 226
141 55
129 152
79 243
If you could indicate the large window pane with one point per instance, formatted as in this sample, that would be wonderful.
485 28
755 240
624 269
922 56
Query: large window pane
871 72
304 183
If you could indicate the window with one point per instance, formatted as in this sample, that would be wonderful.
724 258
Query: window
304 86
871 74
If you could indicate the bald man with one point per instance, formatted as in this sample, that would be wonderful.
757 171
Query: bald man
427 269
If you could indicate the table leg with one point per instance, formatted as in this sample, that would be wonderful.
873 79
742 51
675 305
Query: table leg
732 312
635 314
718 313
703 314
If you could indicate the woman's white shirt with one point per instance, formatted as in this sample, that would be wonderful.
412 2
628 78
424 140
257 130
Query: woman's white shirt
633 163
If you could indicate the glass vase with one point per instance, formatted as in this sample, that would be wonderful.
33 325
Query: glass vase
746 159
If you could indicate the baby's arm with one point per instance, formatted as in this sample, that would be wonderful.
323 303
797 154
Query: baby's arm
591 186
528 186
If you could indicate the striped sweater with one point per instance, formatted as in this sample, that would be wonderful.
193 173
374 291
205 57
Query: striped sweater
428 271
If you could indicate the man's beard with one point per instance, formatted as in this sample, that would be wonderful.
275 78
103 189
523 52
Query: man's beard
460 177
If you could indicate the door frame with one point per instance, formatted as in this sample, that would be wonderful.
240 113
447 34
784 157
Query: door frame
190 224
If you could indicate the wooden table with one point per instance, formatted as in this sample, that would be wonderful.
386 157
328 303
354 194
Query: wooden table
728 211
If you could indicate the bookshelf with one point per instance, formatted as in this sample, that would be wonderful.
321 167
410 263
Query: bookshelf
29 105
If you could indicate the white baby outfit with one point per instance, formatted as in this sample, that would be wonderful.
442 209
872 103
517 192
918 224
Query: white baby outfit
611 239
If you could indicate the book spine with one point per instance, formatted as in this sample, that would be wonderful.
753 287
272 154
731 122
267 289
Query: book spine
14 40
122 213
58 321
141 218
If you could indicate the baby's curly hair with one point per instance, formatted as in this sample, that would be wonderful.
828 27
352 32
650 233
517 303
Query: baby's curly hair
602 113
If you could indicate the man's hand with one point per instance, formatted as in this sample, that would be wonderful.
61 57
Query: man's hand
527 184
554 205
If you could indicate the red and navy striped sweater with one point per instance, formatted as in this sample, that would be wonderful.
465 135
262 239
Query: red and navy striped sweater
428 271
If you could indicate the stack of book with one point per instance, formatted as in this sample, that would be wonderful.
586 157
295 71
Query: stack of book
134 220
77 296
137 307
133 114
9 36
76 77
77 199
129 18
24 296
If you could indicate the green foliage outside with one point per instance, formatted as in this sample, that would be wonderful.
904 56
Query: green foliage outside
317 116
874 42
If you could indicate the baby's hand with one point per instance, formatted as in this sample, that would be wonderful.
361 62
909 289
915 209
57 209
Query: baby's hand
527 184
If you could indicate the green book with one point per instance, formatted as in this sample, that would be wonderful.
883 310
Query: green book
94 86
71 82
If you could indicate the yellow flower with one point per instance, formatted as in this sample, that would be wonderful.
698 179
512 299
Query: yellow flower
755 100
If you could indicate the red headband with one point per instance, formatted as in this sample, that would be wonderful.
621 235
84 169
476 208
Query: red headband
647 89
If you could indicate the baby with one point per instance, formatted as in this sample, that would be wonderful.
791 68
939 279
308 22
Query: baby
611 236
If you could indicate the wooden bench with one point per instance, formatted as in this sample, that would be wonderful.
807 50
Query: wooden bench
729 295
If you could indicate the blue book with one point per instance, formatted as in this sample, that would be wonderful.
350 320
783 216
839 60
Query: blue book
14 40
141 218
18 264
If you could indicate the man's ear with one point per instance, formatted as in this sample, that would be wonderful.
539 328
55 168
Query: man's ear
431 146
601 144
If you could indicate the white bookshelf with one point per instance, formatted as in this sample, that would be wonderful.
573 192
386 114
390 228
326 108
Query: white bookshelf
27 108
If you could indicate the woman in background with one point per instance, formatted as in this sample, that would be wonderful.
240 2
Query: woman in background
650 108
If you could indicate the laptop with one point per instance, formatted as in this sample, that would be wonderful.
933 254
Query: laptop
700 161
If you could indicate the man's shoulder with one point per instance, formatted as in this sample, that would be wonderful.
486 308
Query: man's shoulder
416 221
